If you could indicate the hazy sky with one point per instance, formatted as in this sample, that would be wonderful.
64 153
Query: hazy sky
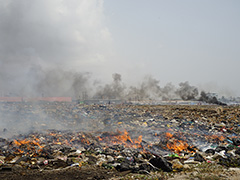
172 40
175 41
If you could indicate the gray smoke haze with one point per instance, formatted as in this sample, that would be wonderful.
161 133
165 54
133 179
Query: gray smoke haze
187 92
55 48
168 92
62 83
18 118
208 99
115 90
148 89
43 43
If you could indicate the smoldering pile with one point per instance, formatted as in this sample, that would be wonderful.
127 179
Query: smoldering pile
63 149
139 139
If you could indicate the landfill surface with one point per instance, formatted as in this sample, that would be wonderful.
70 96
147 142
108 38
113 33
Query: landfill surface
57 140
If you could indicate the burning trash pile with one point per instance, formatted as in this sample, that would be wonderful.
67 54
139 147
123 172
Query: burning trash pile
121 138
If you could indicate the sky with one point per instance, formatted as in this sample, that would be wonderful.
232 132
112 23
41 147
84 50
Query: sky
175 41
170 40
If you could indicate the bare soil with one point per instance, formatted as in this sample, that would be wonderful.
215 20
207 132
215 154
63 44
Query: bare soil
83 173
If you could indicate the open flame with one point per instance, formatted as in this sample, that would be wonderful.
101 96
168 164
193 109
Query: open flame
176 145
122 138
169 135
28 142
173 142
34 146
28 146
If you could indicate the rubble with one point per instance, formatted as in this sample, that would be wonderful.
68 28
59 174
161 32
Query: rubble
125 138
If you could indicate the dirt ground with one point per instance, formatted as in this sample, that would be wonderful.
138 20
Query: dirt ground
99 173
83 173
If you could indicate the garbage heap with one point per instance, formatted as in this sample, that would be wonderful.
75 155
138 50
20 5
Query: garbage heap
132 138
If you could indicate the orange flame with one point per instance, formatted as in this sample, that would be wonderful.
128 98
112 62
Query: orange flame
169 135
177 146
27 142
123 138
29 145
99 138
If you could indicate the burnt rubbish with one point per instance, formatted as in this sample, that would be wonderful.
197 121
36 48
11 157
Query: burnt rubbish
126 138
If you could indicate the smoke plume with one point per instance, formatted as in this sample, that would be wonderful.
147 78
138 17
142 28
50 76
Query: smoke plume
208 99
53 48
187 92
49 46
115 90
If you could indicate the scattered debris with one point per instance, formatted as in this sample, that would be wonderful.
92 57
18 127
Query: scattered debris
125 138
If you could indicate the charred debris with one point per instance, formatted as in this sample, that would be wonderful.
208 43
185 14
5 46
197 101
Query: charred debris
121 137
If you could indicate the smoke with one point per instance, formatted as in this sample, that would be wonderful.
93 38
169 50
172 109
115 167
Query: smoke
57 82
23 117
43 43
187 92
17 118
115 90
148 89
168 92
48 48
208 99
